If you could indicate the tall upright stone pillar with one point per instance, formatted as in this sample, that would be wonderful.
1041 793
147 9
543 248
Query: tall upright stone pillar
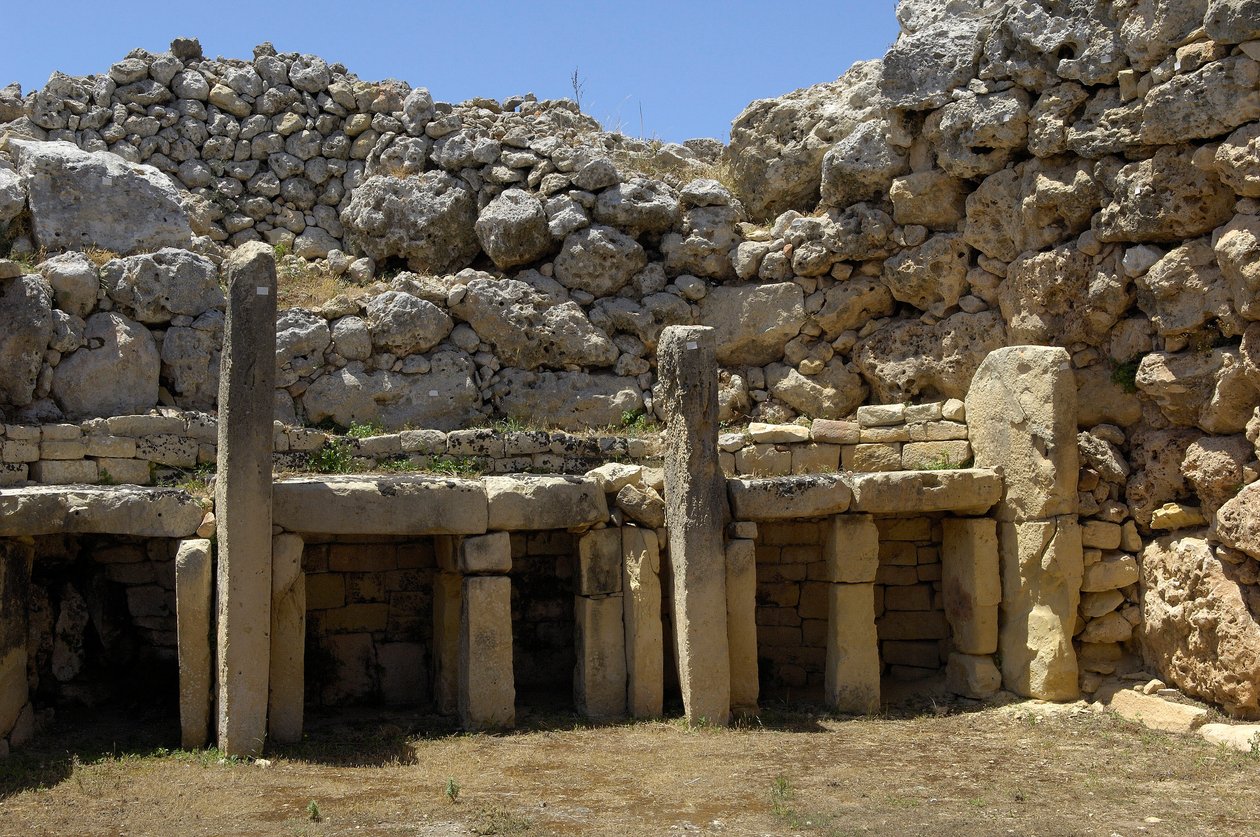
1021 416
15 580
599 677
287 682
487 691
243 499
851 552
696 514
741 624
641 600
447 597
193 594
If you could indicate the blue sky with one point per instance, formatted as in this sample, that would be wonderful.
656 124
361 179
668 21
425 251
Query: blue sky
671 70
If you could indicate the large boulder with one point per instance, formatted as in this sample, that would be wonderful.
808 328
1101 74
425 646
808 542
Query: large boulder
1237 252
599 260
569 400
404 324
115 374
861 166
1233 21
911 359
1060 297
26 326
1152 29
777 145
154 287
936 52
1214 467
12 196
512 229
1030 206
975 136
753 322
1209 102
427 220
1163 198
853 303
75 282
639 206
1238 160
833 393
80 199
443 398
1214 390
530 327
301 333
1237 523
932 276
1157 478
703 247
1186 289
1199 627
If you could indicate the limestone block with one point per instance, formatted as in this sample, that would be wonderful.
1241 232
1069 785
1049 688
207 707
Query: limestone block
833 432
524 502
1240 737
696 514
193 565
128 471
1099 534
929 455
641 603
851 548
881 415
1042 565
741 624
599 562
67 449
243 499
490 553
487 693
970 583
363 505
784 498
965 490
65 471
447 596
13 688
775 434
853 666
815 459
1114 571
642 505
1156 713
873 457
599 681
287 676
764 460
972 676
1021 414
104 510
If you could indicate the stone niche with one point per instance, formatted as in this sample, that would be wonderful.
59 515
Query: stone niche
543 657
101 629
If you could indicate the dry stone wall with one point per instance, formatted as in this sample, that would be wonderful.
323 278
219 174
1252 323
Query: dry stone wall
1079 175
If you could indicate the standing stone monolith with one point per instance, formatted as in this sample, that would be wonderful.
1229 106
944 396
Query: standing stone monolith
1021 417
287 680
696 514
193 594
741 624
645 647
243 498
448 585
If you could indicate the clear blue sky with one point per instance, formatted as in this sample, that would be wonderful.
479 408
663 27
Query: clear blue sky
691 65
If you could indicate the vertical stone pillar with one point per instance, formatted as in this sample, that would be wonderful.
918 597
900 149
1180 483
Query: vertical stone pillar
641 601
15 582
972 590
599 677
851 552
695 514
1021 416
447 595
193 593
287 681
243 498
487 691
741 624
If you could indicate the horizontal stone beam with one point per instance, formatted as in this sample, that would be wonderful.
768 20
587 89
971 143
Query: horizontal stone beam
967 491
367 505
784 498
524 502
104 510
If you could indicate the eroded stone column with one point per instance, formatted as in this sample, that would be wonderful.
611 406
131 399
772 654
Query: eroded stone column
487 691
641 601
16 715
741 624
599 677
972 590
695 515
1021 416
243 499
851 552
447 595
193 595
287 681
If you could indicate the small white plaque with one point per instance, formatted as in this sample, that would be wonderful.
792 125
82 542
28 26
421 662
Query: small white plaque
262 290
692 344
433 393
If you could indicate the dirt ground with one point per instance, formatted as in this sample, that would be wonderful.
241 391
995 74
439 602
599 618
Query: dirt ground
935 768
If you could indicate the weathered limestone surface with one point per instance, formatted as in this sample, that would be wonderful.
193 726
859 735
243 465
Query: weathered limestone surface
966 490
641 603
741 624
193 593
15 576
287 677
447 597
487 693
696 515
599 679
783 498
105 510
970 583
599 563
366 505
972 676
852 675
490 553
522 502
851 549
243 500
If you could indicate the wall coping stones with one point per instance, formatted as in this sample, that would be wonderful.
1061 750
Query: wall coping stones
783 498
530 502
105 510
380 505
966 490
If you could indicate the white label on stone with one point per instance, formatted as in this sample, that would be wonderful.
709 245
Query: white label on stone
433 393
692 344
262 290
